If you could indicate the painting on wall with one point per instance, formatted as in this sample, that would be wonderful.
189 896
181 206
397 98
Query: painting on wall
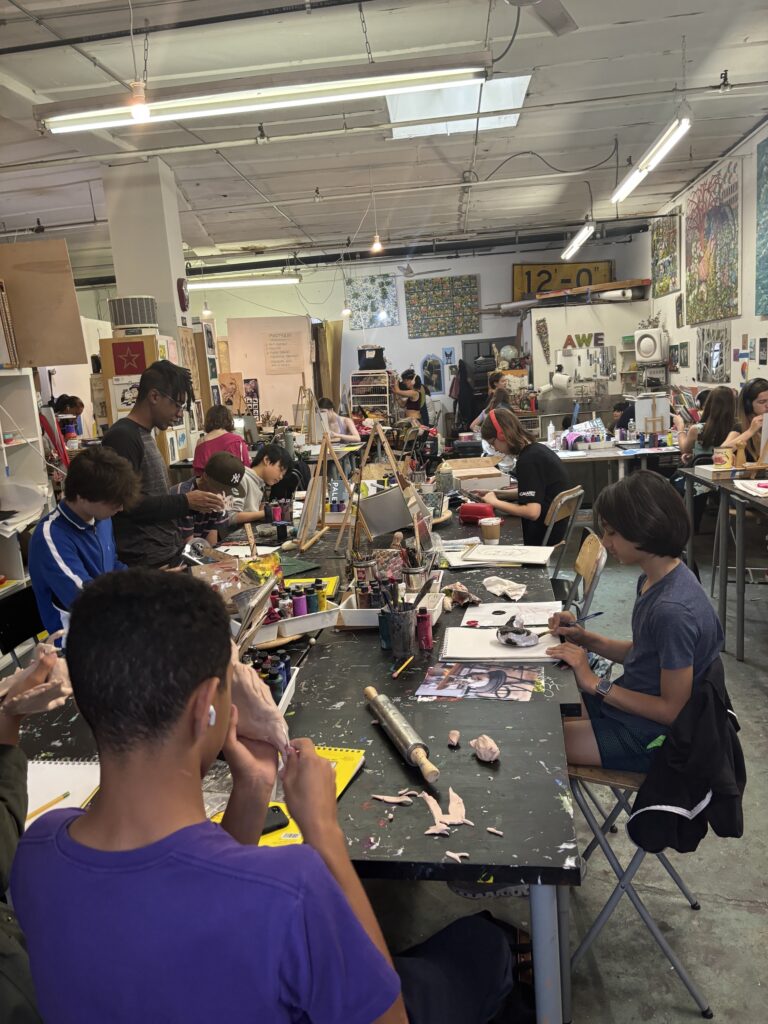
752 349
215 394
251 390
213 373
449 356
684 357
373 301
712 357
233 392
679 311
761 241
440 306
762 358
674 358
665 254
432 374
713 245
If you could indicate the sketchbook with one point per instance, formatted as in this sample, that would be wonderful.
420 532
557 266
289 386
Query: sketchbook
499 614
754 488
501 554
463 644
47 780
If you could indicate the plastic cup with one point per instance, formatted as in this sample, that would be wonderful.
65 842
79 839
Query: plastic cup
490 530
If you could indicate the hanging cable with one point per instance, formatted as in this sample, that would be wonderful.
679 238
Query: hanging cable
557 170
133 47
509 45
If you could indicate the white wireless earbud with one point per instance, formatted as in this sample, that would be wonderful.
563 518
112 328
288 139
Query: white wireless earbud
211 716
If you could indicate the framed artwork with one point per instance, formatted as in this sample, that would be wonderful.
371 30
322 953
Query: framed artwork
373 301
449 356
440 306
233 392
198 414
680 311
215 394
665 254
432 374
251 391
763 352
674 358
213 372
173 451
752 349
713 245
712 356
210 339
683 363
129 357
761 248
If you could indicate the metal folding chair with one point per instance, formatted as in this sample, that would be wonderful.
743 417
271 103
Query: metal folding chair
565 505
621 785
577 593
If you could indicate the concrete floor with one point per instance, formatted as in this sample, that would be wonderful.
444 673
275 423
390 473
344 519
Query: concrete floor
625 977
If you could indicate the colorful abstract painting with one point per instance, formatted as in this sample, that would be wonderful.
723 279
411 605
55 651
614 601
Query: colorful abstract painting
440 306
712 246
665 254
373 301
761 254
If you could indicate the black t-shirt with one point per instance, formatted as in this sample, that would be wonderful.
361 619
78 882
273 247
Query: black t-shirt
540 477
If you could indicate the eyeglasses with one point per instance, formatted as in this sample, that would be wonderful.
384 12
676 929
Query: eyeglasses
179 405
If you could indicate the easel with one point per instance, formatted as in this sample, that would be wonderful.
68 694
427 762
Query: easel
308 532
390 463
308 416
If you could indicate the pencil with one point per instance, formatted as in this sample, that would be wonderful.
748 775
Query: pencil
45 807
90 797
403 667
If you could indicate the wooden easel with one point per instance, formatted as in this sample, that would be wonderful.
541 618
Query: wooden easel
309 532
390 463
308 415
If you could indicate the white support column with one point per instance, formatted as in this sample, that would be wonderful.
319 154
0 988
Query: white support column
145 232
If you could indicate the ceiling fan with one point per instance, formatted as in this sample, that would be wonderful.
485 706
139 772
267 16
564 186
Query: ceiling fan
551 13
408 271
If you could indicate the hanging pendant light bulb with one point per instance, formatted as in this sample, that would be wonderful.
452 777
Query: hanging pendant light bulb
207 313
138 104
376 245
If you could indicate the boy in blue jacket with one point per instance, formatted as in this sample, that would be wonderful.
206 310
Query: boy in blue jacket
74 544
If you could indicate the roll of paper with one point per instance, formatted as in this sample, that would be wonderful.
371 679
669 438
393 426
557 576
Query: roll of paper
561 381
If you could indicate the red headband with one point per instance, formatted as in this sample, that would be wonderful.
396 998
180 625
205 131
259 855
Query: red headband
495 422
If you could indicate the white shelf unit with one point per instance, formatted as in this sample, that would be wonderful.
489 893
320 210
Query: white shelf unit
370 389
21 462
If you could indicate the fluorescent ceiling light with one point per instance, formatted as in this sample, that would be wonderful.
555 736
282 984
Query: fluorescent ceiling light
498 94
578 240
247 96
652 157
199 285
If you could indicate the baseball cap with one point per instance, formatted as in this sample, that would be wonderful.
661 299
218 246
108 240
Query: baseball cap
223 468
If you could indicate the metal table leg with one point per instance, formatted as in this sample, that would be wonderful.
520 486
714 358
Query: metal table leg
622 467
722 601
689 510
740 576
563 924
546 954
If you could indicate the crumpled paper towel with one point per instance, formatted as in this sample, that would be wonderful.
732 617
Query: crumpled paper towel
504 588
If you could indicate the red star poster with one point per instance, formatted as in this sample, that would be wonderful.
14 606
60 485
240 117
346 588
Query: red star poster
129 357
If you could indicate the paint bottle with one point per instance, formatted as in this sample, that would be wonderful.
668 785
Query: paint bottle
670 442
277 513
424 629
274 597
299 601
286 607
322 597
267 513
376 598
312 602
285 661
363 596
275 683
384 634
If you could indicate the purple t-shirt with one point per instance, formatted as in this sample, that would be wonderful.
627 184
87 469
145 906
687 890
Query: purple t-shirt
194 928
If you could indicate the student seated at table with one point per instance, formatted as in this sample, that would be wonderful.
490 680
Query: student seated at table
676 634
539 471
223 474
342 428
220 436
752 407
74 544
268 469
141 909
619 408
717 423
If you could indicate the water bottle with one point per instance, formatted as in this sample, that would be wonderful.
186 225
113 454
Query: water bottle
631 431
551 434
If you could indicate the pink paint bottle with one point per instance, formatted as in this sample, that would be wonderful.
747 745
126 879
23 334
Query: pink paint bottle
424 629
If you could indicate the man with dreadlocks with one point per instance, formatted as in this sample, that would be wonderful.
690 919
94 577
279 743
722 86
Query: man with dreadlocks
150 533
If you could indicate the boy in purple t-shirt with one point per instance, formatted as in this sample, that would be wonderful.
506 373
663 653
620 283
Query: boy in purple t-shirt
143 910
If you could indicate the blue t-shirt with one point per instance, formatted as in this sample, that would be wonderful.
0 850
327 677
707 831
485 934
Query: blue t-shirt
673 626
193 928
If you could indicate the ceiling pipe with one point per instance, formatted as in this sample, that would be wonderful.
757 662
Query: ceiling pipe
220 19
475 247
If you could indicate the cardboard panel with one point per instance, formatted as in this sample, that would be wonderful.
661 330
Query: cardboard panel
41 294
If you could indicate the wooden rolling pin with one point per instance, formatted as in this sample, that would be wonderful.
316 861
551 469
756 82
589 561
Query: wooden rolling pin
401 732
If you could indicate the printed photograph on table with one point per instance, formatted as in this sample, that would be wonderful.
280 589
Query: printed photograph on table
683 363
432 374
713 245
373 301
213 372
761 241
439 306
490 682
674 358
665 254
210 340
251 391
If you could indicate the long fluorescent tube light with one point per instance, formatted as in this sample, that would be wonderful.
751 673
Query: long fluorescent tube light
652 157
578 240
246 96
242 282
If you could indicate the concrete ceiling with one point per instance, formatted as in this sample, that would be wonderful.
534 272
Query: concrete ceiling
613 79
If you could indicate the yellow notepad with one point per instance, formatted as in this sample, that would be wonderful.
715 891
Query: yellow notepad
348 763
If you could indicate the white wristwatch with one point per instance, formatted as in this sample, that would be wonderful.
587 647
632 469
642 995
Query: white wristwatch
603 688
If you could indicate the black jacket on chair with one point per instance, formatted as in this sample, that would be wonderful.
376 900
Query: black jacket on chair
697 777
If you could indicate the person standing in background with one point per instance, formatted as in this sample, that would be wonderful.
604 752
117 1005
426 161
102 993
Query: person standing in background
220 436
150 533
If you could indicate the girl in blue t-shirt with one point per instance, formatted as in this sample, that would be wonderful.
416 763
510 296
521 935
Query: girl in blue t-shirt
676 634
